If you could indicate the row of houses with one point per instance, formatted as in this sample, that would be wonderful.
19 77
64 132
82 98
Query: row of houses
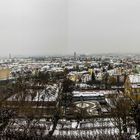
92 78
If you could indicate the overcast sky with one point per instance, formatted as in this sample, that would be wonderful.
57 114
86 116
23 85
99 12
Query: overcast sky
42 27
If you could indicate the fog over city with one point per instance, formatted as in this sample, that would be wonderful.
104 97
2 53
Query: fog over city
70 69
51 27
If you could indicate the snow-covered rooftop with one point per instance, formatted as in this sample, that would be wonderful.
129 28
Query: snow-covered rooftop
134 78
92 93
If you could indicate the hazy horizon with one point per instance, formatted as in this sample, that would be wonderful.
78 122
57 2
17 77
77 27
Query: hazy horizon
59 27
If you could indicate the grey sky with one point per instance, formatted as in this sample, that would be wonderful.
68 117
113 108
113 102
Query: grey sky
41 27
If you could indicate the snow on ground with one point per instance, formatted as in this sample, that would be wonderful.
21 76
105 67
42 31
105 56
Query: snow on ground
49 94
84 127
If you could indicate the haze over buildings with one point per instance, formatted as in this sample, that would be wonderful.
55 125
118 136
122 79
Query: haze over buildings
41 27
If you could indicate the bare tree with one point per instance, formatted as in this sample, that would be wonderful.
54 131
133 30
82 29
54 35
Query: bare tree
120 113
